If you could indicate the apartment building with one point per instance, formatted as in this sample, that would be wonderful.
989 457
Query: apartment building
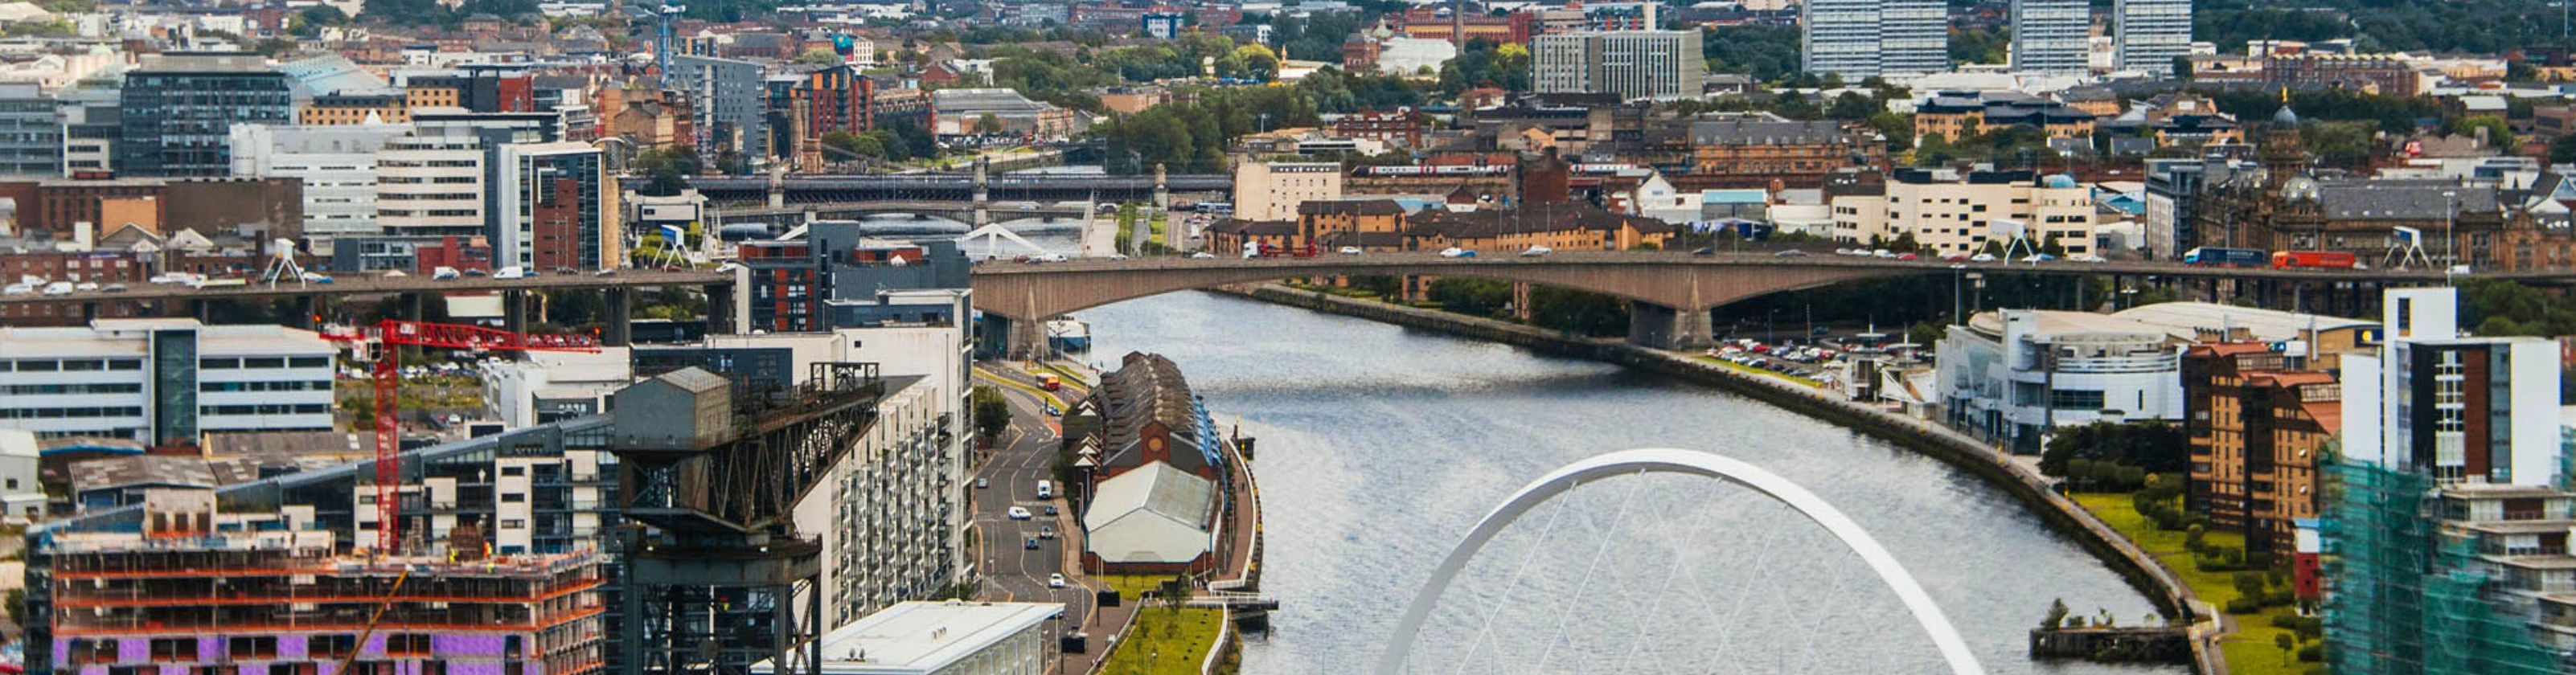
1947 212
177 109
555 207
1273 190
2050 37
1873 38
2260 423
2150 34
1634 64
336 164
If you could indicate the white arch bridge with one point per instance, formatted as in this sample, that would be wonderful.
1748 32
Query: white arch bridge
1945 637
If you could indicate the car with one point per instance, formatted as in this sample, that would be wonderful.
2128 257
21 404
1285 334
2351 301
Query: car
1350 250
1455 252
1052 257
1982 257
981 483
2087 258
114 288
1883 253
1954 257
59 288
563 271
1536 251
1704 250
2037 258
1203 255
1055 580
1117 256
605 272
477 272
395 274
1053 411
1019 513
18 289
1789 253
1031 544
316 278
1908 256
1047 532
1050 509
511 272
85 286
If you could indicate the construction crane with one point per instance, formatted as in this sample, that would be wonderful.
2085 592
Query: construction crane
387 339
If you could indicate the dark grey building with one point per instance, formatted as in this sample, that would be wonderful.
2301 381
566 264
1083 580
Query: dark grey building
31 131
731 102
177 111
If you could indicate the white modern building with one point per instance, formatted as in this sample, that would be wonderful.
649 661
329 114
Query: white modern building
548 200
941 638
336 163
1661 65
430 183
550 386
2150 34
2412 406
1949 212
2015 374
163 380
1864 38
2049 37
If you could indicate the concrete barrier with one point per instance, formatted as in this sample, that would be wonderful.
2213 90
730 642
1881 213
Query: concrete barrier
2143 572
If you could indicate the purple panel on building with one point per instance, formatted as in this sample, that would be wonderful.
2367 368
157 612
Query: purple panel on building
473 668
450 645
254 669
375 645
293 647
534 667
133 650
174 670
93 670
210 649
62 653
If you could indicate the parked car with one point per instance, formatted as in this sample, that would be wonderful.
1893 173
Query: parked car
1455 252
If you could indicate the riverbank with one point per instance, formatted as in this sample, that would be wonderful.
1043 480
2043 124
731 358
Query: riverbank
2121 556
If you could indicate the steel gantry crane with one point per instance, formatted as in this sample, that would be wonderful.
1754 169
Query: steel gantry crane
387 339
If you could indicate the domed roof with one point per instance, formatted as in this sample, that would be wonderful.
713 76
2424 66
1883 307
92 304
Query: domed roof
2061 181
2285 117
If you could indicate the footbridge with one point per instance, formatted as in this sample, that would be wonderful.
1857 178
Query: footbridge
1671 293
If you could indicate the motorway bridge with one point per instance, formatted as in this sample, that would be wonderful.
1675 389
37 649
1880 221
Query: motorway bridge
1671 293
961 186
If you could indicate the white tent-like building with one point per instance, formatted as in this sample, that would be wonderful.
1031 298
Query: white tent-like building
1154 518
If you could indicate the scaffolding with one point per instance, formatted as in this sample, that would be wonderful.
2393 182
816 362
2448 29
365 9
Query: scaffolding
2405 599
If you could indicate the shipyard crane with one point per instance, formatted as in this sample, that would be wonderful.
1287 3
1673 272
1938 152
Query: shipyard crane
387 339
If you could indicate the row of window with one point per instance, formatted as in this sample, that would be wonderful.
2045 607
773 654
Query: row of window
69 413
93 388
271 409
286 385
51 365
264 362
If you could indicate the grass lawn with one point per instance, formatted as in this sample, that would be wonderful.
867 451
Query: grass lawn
1131 586
2252 649
1166 642
1804 381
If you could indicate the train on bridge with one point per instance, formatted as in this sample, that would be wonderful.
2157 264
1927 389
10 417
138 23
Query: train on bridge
2214 256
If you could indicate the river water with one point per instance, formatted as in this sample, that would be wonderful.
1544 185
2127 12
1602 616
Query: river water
1380 446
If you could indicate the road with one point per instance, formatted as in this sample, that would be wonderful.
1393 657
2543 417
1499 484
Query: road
1012 571
378 284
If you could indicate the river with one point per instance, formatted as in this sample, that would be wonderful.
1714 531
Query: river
1380 446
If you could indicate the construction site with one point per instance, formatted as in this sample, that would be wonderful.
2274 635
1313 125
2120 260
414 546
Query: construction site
182 586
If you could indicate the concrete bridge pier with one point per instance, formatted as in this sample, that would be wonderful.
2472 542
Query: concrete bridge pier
720 319
983 192
1162 188
514 311
1662 327
307 312
619 330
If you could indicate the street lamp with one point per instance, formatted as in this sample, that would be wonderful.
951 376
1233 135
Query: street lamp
2450 233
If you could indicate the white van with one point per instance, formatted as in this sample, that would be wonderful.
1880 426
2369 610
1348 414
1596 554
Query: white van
1046 489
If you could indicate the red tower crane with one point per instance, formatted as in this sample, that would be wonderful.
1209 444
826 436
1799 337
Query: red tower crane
388 337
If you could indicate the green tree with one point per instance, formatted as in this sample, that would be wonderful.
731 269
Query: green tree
819 57
2182 68
2287 645
989 124
1852 106
2056 615
992 413
2562 150
1473 297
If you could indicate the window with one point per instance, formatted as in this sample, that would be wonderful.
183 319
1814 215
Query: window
514 498
2075 399
264 362
309 362
514 524
514 471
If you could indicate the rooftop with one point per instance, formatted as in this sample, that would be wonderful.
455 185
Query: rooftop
2211 318
923 637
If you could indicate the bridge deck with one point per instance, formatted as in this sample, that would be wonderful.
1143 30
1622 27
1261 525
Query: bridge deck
1749 260
377 285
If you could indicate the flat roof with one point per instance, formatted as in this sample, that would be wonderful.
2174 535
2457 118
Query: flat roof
2265 324
912 638
125 337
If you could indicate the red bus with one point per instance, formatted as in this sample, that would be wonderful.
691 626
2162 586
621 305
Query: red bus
2312 259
